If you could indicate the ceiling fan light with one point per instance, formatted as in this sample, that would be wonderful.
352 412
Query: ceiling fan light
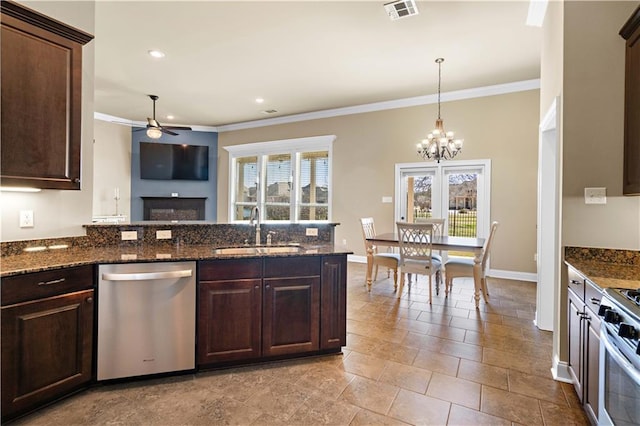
154 133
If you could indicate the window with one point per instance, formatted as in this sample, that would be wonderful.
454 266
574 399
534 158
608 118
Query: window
288 180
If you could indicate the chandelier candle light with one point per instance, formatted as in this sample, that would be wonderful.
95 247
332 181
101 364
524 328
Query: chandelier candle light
439 145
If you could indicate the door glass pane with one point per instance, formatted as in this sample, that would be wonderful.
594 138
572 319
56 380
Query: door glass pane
420 197
314 186
246 187
463 204
278 187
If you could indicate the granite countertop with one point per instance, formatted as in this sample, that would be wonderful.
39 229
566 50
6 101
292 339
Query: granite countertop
54 258
606 268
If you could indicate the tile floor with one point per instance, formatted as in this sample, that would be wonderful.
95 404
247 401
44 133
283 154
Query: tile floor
405 362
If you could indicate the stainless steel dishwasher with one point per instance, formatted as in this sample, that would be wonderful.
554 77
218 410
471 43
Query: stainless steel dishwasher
146 318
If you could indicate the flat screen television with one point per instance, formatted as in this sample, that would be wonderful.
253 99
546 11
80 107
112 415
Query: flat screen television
163 161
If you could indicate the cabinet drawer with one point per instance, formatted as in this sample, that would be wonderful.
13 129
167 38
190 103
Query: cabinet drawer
575 281
277 267
230 269
592 296
38 285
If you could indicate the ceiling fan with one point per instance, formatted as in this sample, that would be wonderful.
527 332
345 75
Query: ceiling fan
155 129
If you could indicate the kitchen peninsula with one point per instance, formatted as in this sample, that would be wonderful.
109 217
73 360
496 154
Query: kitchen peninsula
285 299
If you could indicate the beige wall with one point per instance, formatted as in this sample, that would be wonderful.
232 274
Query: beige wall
60 213
112 168
368 145
593 112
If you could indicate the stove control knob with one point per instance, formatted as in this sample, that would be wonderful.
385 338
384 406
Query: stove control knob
628 331
612 317
603 309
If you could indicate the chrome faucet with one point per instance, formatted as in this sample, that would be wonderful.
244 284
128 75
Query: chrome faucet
254 220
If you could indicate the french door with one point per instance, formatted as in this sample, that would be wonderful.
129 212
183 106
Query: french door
458 191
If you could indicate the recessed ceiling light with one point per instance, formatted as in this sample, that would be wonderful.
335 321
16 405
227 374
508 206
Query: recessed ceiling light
156 53
170 117
259 100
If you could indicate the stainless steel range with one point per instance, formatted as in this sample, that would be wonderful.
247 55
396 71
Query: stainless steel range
619 402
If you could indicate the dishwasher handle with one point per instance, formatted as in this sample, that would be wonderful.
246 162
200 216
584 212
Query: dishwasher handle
140 276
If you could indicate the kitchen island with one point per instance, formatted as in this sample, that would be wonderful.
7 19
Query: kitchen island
254 303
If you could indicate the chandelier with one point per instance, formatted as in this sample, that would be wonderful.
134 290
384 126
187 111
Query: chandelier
439 145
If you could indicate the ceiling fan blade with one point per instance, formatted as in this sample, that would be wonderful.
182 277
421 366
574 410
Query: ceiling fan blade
177 127
168 132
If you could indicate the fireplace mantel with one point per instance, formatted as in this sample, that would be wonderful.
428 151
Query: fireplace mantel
173 208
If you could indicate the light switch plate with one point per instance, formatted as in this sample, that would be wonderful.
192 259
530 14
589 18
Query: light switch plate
387 200
595 195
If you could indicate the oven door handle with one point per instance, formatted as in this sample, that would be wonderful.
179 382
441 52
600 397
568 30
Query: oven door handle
624 363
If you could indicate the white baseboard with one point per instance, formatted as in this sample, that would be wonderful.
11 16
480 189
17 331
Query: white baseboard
495 273
513 275
560 371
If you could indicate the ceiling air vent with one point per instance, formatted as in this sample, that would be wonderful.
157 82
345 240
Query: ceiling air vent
401 9
269 111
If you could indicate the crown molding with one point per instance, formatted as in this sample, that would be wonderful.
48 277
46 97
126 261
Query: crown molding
478 92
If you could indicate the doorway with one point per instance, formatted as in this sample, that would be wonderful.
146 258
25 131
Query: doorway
458 191
548 222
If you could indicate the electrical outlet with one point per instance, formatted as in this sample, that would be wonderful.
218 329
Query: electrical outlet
26 218
312 232
163 234
387 200
595 195
129 235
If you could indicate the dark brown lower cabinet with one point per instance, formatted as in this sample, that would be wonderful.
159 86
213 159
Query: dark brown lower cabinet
291 315
333 302
230 310
583 325
260 308
46 350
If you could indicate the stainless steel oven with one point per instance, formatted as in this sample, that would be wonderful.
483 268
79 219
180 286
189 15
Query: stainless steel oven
619 400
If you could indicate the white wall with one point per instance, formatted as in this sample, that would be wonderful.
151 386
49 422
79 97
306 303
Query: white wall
60 213
112 168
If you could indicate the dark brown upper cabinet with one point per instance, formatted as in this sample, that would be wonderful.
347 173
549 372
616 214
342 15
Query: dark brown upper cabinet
41 100
631 173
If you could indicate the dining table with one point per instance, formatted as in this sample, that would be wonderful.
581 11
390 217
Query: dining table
438 243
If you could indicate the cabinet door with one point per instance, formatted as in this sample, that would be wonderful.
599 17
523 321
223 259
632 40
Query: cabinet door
592 365
333 311
631 171
574 327
41 100
46 349
291 315
229 320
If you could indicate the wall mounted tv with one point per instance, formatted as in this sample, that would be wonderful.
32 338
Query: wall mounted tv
163 161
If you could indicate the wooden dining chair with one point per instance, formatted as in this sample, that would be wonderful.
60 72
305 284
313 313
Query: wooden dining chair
463 266
389 260
416 252
438 231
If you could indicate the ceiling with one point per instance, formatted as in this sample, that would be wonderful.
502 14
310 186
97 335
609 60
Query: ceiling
300 57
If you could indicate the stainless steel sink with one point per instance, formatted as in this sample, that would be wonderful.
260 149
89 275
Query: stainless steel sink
236 250
258 250
279 249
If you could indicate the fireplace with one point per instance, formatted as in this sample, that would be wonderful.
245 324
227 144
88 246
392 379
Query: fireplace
173 208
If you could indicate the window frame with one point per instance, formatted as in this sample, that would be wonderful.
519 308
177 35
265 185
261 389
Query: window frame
295 148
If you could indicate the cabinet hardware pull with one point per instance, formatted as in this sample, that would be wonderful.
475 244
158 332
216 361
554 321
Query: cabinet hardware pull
576 282
58 281
89 299
595 300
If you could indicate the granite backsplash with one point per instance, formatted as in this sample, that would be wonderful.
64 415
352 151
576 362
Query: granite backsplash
102 235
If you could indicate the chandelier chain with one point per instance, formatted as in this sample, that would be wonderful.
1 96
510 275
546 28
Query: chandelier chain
439 144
